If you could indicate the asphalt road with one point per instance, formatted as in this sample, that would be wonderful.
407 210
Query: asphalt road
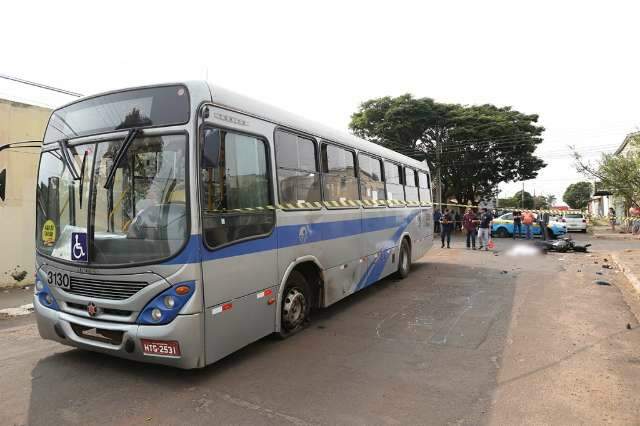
469 338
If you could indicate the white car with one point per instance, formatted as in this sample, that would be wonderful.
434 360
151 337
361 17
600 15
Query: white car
575 222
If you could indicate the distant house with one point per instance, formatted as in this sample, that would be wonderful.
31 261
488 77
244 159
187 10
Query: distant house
603 198
18 168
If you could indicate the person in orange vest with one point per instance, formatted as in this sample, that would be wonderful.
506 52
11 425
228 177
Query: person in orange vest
527 223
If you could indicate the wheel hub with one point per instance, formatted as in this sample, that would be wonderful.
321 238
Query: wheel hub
294 308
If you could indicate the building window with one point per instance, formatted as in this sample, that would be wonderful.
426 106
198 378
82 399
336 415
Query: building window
235 180
339 181
371 183
395 189
298 177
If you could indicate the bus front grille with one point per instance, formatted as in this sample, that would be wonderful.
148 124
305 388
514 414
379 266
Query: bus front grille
103 289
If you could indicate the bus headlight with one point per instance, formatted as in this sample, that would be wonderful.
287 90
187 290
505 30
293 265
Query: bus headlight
165 306
156 314
39 285
169 302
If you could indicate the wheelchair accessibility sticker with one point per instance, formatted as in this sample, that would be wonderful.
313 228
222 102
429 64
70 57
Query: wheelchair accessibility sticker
79 251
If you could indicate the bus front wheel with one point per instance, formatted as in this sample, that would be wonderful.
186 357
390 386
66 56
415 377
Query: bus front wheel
295 306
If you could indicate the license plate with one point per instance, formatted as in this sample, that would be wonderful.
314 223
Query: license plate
161 347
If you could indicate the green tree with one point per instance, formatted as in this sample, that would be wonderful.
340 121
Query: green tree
551 200
578 194
617 173
523 203
477 147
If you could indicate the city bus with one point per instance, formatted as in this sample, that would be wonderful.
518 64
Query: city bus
178 223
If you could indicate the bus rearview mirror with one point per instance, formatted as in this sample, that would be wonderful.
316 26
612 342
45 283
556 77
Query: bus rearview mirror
211 148
3 183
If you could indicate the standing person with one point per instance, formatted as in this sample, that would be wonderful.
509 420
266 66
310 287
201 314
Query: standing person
544 222
446 228
484 233
458 224
436 221
612 218
527 223
469 224
517 224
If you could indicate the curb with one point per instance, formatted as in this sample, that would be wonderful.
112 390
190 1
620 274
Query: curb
635 282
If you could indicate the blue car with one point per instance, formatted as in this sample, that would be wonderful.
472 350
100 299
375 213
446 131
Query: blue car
503 227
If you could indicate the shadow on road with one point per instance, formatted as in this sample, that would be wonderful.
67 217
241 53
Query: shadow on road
423 349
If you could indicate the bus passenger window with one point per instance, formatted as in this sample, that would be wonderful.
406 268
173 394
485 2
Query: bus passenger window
395 190
235 180
339 180
371 184
298 177
423 187
410 187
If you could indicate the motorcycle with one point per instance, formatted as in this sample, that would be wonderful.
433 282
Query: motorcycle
562 245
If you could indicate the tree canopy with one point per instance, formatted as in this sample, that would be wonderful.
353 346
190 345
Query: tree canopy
528 201
578 194
619 174
477 146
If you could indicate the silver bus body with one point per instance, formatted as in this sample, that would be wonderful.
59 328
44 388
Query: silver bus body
237 288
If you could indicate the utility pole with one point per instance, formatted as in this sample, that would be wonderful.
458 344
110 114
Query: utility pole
439 171
522 202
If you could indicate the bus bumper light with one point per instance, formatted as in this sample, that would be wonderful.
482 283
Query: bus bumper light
43 293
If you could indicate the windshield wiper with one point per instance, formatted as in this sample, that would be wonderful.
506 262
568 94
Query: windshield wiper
119 155
66 158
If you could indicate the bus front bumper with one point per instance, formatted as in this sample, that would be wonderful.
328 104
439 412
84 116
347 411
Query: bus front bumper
127 342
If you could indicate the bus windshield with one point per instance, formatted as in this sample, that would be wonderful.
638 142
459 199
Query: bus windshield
140 217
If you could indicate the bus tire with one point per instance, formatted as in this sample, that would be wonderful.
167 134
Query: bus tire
404 259
295 306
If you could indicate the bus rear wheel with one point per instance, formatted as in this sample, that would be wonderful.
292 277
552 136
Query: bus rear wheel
404 260
295 306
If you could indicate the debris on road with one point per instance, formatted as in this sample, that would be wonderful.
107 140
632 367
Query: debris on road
19 311
607 266
602 282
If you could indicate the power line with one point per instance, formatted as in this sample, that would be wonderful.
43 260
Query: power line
40 85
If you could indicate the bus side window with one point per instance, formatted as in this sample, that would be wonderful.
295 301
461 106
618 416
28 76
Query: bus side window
423 187
339 181
410 187
393 179
298 176
235 180
371 184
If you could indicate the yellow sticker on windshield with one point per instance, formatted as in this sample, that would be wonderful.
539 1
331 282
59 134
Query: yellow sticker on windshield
49 232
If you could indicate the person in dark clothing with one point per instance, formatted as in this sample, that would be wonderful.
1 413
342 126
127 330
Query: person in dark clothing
469 222
543 220
436 221
446 227
517 224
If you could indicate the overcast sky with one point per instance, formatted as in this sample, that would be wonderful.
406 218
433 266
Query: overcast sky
576 64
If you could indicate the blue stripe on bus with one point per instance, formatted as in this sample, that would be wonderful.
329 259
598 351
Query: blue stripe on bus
374 271
290 235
